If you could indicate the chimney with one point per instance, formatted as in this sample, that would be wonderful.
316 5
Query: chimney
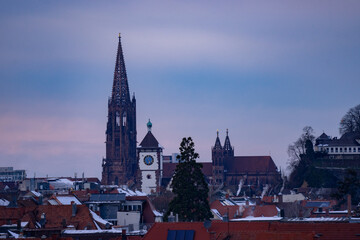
42 220
349 205
123 234
73 208
171 217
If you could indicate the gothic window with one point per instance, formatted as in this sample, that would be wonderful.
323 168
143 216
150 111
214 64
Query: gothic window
124 119
117 119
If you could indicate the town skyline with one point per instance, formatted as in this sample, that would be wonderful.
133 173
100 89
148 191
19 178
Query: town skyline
263 71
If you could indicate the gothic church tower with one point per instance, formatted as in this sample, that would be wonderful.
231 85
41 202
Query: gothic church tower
120 164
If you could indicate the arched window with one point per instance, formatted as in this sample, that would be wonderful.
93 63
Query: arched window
124 119
117 119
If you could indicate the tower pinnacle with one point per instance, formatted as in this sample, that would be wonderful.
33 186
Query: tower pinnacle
120 91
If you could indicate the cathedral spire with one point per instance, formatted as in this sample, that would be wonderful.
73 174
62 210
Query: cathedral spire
227 145
217 141
120 91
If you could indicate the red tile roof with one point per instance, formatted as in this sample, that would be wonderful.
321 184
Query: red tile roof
250 164
54 216
259 230
169 168
247 210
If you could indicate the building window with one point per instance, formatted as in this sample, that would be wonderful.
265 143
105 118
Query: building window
345 149
327 149
332 149
340 149
349 149
336 149
359 149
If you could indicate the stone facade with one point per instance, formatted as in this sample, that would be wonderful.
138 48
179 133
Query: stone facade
231 171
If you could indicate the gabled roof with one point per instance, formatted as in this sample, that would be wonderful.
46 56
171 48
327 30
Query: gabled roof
323 136
244 164
149 141
55 216
107 197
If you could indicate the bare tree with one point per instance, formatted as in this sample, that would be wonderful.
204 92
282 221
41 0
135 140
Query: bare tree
296 149
351 121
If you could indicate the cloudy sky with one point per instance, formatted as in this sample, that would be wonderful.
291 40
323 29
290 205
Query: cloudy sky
262 69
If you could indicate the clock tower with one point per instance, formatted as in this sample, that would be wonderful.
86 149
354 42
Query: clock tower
150 160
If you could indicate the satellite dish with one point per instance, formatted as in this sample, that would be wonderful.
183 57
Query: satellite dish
207 224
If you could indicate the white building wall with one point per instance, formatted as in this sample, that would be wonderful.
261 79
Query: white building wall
126 218
148 172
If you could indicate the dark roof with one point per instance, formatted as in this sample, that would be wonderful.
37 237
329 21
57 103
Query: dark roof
348 139
323 136
317 204
149 141
107 197
243 164
169 168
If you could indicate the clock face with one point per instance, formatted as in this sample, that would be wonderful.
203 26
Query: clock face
148 160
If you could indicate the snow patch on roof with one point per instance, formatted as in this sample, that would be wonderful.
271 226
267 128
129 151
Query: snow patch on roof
129 192
4 202
15 235
53 202
251 218
92 231
98 219
61 183
37 194
66 200
319 219
216 212
157 214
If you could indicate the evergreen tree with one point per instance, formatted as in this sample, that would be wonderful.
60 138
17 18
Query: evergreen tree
350 185
189 186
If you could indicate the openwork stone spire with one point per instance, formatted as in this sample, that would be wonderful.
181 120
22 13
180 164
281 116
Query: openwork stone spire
217 141
120 91
227 145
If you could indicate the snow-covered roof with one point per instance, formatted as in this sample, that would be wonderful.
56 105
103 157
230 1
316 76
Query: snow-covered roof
66 200
319 219
216 212
157 214
250 218
70 231
36 194
53 202
61 183
14 235
129 192
98 219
